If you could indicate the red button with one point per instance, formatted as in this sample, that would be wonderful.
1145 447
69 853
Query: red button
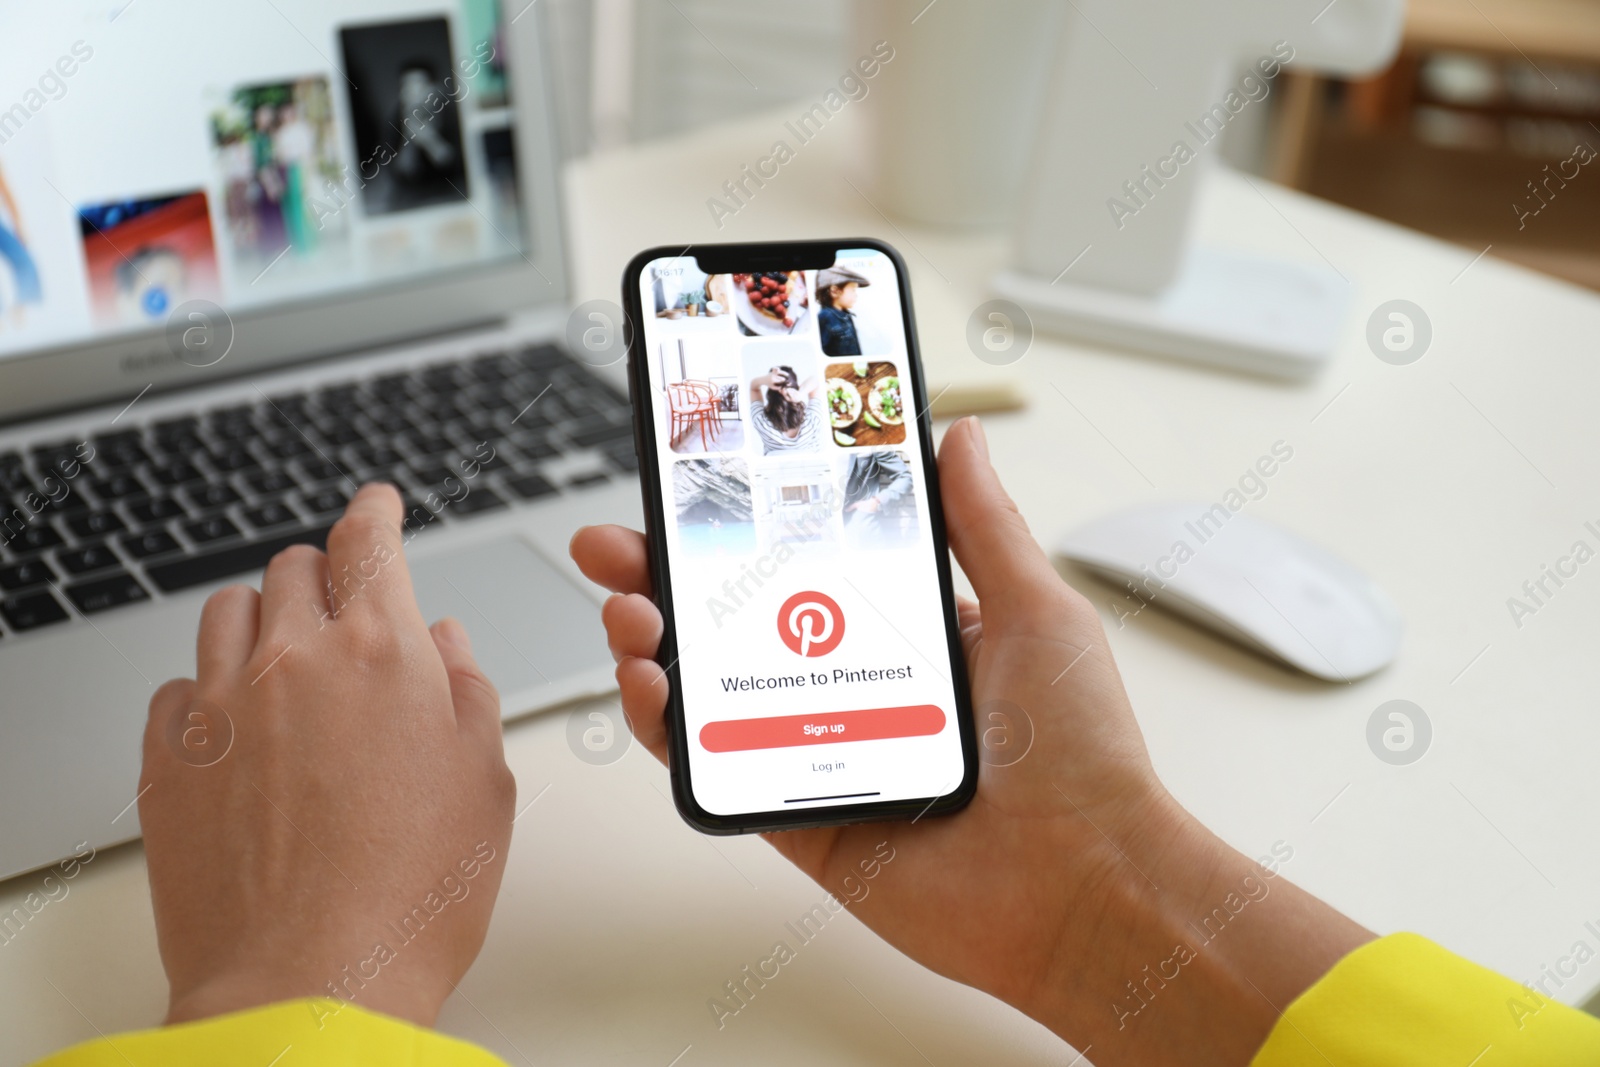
827 728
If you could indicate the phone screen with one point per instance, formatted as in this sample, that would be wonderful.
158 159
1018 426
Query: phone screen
813 645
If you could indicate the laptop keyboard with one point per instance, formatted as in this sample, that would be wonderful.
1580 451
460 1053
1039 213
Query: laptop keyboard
186 501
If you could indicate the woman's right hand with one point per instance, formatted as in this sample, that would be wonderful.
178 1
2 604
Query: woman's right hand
1073 874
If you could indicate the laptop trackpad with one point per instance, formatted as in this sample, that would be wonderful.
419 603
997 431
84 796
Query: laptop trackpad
529 625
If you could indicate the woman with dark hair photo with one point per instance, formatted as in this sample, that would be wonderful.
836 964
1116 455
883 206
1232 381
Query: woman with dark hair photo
786 412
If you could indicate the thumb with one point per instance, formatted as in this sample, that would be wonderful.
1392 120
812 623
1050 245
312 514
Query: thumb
1008 570
476 701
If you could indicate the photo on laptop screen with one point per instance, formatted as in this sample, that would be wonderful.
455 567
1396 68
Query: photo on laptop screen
271 154
406 114
145 257
275 150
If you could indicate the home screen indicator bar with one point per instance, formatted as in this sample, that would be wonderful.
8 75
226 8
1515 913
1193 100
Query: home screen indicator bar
836 796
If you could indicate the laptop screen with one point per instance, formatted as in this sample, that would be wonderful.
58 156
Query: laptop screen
155 153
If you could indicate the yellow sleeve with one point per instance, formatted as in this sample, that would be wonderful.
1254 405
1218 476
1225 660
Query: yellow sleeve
1404 1000
295 1033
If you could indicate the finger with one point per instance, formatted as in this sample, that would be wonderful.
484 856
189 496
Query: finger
613 557
366 558
294 599
165 706
476 700
644 701
988 535
229 624
633 626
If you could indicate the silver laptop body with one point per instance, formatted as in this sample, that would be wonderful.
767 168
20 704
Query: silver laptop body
233 288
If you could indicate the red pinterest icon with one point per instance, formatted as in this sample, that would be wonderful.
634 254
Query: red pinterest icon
811 624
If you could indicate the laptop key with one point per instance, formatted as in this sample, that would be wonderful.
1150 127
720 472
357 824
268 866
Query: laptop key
13 472
233 424
514 406
606 433
441 378
31 611
492 369
368 456
172 448
58 496
433 475
320 470
452 408
487 459
269 515
324 501
476 431
477 500
148 543
173 427
60 458
400 425
123 449
588 478
542 357
224 563
395 476
531 486
96 523
25 573
269 482
104 593
289 446
429 444
95 557
534 445
173 434
214 528
157 509
338 434
337 397
107 442
392 386
232 458
36 536
176 472
285 406
380 413
417 516
118 487
211 495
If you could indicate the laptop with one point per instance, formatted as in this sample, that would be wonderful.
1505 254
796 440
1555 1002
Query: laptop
252 256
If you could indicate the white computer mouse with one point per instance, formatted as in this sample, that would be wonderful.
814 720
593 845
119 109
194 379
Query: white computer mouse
1247 579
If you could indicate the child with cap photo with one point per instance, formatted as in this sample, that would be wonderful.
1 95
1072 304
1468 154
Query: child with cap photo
836 295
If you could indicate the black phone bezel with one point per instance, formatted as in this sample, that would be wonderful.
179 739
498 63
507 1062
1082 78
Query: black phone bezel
790 255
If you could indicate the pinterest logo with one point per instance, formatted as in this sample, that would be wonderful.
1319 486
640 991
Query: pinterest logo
811 624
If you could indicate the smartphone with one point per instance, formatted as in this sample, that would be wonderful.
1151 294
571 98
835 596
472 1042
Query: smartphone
796 538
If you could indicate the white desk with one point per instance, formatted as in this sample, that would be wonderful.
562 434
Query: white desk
617 923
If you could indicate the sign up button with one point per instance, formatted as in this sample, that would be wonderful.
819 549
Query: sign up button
827 728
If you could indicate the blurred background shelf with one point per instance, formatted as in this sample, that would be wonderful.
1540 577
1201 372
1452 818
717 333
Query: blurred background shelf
1482 97
1485 131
